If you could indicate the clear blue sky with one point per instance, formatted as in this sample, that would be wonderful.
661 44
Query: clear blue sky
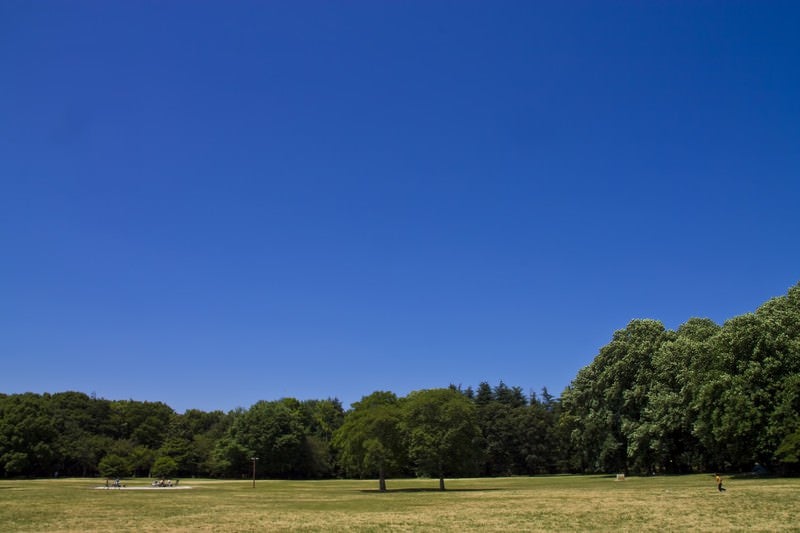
213 203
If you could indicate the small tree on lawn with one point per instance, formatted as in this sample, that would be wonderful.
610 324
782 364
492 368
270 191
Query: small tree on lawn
164 467
114 466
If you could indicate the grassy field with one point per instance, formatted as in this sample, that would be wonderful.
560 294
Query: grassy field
551 503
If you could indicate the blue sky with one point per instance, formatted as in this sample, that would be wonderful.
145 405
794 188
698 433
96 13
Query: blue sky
213 203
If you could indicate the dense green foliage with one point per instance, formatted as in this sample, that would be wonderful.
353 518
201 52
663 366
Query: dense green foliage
442 433
703 397
371 439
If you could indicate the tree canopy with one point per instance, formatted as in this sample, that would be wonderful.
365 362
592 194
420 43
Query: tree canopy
370 441
442 433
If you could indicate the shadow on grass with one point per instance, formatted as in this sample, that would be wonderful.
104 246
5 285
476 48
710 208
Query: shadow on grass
753 475
426 489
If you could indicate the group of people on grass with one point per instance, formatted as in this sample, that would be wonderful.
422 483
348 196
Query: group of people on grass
164 483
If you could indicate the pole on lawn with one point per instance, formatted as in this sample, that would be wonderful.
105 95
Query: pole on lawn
254 459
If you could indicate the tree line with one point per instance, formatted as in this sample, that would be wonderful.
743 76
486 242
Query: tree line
703 397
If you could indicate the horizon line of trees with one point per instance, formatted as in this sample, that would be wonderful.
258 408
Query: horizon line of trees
703 397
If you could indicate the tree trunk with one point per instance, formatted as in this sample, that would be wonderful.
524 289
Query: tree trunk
441 483
381 479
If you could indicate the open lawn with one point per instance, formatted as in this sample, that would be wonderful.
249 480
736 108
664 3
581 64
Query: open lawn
548 503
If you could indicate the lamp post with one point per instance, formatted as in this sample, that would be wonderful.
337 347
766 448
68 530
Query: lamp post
254 459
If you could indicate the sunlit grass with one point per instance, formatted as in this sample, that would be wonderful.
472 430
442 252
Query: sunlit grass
552 503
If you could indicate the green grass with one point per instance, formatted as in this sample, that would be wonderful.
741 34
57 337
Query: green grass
551 503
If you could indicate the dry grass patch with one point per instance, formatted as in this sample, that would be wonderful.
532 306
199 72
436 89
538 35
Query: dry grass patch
555 503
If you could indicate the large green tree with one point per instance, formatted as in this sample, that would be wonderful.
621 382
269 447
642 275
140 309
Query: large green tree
442 433
28 436
666 433
745 403
289 437
371 440
605 402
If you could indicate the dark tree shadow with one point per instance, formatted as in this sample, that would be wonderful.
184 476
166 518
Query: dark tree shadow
424 489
